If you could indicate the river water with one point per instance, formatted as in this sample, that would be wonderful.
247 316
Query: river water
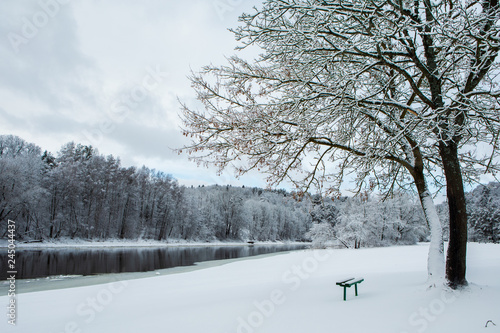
39 263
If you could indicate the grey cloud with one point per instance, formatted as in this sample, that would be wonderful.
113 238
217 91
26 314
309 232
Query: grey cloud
148 142
64 81
47 65
43 124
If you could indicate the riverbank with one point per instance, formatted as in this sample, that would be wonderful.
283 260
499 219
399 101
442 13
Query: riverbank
119 243
293 292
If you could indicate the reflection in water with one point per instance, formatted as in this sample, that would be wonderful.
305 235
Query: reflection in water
42 263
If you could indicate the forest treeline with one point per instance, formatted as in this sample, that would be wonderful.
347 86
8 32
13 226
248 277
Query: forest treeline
79 193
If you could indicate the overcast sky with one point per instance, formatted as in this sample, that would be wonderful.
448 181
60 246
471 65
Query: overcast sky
110 73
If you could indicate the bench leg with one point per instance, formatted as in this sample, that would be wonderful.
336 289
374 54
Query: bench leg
356 289
345 293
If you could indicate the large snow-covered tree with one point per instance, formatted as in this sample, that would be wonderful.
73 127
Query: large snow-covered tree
389 89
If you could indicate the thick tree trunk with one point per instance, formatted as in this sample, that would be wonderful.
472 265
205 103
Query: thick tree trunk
457 247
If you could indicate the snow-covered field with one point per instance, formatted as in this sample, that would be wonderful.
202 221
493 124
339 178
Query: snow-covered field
293 292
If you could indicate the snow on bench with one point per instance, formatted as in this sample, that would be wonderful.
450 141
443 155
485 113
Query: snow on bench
348 283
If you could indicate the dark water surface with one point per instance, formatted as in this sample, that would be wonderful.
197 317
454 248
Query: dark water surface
39 263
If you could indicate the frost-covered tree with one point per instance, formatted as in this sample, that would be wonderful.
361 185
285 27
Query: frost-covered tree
390 89
322 235
402 221
357 222
324 210
483 206
21 193
366 221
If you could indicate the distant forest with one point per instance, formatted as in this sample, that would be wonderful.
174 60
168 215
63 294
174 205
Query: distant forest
79 193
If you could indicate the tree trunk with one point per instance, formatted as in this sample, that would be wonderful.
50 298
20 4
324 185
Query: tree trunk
435 259
457 247
123 226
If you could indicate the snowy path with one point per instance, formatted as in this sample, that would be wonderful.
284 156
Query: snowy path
292 292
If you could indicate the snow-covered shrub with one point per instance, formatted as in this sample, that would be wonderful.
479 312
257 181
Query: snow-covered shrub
322 235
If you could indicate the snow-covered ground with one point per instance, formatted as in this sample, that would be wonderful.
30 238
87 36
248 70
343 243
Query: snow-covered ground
293 292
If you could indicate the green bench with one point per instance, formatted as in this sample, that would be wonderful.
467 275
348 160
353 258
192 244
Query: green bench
348 283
